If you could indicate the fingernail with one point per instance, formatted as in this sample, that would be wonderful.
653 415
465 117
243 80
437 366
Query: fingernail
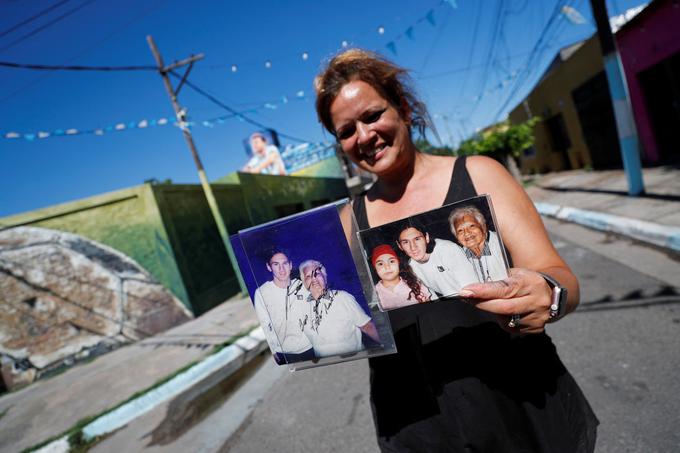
466 293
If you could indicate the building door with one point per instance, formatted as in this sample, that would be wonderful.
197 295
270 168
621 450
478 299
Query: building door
661 88
596 115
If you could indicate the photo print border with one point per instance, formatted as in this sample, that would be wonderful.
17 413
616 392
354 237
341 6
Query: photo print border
431 262
293 319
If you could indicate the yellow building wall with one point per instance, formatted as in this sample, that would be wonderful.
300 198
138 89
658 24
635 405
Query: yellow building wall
551 96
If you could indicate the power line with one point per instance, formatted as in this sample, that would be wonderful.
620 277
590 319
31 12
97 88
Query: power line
47 25
529 66
93 45
32 18
472 46
44 67
216 101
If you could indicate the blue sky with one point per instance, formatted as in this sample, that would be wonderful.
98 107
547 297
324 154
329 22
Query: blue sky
466 60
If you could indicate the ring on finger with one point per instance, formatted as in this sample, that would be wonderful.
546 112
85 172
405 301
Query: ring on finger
514 321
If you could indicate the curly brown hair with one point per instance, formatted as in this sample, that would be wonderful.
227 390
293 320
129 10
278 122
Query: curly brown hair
389 80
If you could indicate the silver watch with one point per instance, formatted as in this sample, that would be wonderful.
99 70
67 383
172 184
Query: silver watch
558 303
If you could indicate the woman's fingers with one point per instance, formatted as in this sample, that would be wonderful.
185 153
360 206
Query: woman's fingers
524 293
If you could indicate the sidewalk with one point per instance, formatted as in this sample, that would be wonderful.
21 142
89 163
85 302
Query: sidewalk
49 407
599 199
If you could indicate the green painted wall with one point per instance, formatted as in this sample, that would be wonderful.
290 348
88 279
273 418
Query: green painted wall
327 168
201 257
127 220
269 197
169 229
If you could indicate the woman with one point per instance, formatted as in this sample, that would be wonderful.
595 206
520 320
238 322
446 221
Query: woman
481 246
481 376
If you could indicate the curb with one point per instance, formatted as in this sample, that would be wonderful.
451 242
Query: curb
661 235
213 368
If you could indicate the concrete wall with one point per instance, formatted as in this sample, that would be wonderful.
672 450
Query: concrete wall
552 95
127 220
268 197
649 38
199 252
169 229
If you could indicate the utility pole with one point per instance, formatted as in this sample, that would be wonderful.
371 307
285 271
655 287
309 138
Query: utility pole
625 123
181 118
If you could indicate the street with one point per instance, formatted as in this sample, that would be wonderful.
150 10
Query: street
622 346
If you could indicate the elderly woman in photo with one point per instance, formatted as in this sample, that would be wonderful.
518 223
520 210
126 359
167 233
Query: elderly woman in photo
479 376
482 247
333 319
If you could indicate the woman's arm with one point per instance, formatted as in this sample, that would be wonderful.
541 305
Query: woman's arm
525 291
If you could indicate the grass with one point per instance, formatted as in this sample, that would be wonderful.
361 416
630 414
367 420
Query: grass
78 443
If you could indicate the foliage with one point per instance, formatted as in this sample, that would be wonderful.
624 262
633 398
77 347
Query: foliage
502 140
425 146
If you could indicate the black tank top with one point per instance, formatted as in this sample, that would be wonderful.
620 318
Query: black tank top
460 188
461 383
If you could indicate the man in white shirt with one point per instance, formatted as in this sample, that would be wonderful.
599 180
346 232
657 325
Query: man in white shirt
333 320
266 158
440 264
279 303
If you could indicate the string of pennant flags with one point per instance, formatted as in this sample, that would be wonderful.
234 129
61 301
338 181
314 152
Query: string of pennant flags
209 123
409 32
147 123
391 45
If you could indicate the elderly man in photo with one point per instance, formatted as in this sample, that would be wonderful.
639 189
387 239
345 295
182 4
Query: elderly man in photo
334 320
279 303
481 246
440 264
266 158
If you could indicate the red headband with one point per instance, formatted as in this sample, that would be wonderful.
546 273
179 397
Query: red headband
383 249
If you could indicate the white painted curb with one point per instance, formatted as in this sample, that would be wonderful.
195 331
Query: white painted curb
60 445
661 235
233 356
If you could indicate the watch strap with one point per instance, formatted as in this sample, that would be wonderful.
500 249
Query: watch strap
558 302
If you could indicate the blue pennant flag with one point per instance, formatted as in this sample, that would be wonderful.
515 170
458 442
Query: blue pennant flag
392 46
453 3
409 33
430 17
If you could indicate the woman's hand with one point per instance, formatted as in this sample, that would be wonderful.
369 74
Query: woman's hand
524 292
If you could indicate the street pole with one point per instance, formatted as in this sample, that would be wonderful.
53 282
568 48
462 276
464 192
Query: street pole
181 118
623 113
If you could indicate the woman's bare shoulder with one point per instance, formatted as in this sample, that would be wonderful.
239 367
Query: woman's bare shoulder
489 176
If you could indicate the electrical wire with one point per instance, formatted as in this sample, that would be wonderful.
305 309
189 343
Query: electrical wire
32 18
216 101
472 47
93 45
44 67
45 26
529 67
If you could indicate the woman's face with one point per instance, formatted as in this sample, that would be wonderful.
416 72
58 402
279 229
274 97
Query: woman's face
470 233
369 129
387 267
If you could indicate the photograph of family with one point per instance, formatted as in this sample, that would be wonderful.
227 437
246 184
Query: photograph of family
434 254
305 289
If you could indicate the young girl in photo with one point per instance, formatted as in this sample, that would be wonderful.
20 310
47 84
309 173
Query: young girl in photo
397 287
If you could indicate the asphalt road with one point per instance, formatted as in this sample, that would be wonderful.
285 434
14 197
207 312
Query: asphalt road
622 346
